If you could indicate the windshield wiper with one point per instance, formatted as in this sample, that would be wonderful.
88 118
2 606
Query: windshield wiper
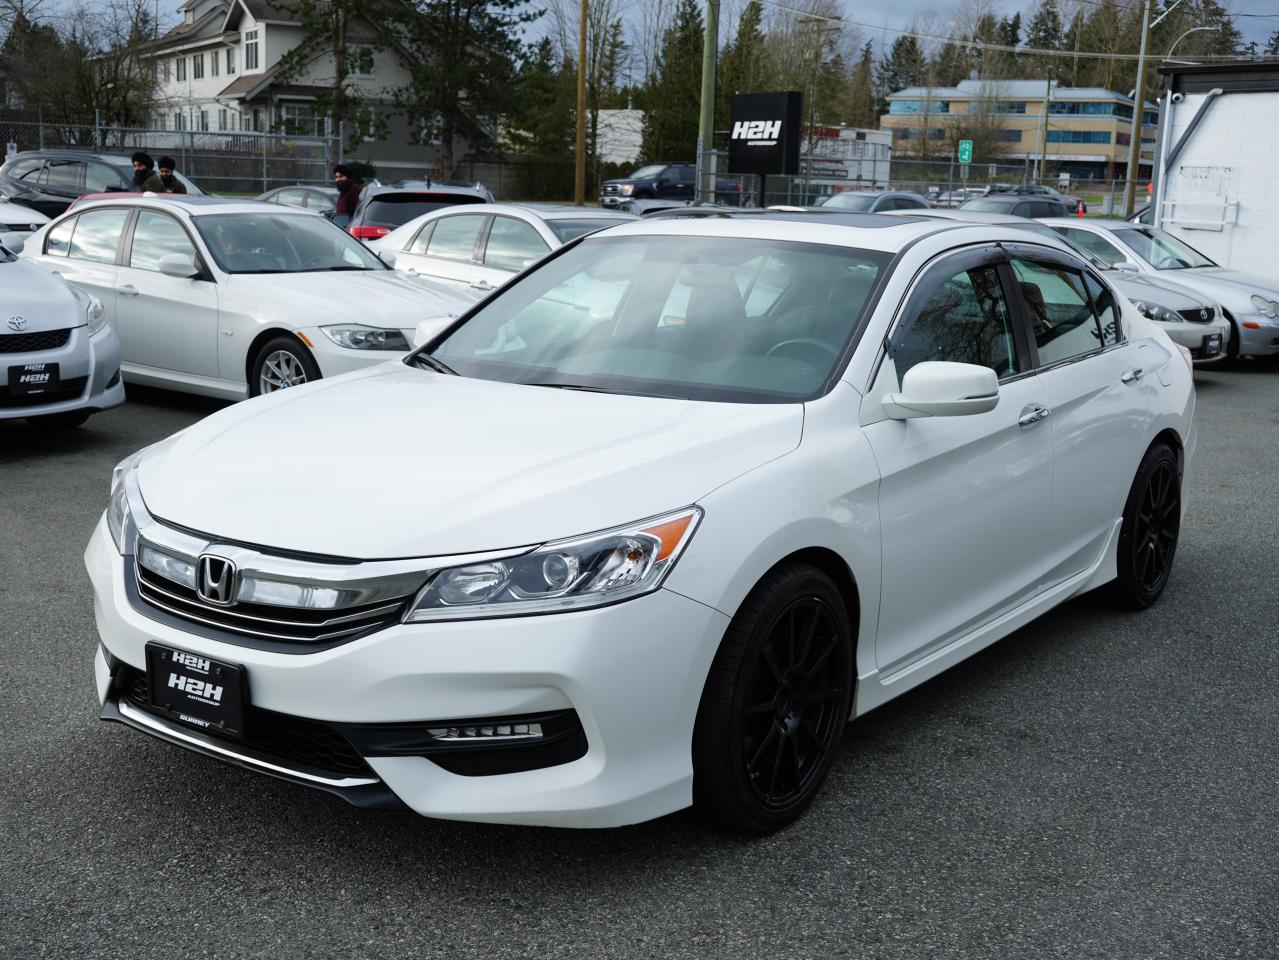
567 386
340 266
428 361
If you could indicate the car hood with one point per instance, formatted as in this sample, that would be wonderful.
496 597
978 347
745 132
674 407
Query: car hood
381 298
1156 290
393 461
36 296
1230 286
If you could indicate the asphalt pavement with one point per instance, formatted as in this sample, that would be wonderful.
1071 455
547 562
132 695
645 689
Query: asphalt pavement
1100 784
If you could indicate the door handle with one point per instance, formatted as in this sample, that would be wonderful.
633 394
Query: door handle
1033 414
1132 375
128 289
483 286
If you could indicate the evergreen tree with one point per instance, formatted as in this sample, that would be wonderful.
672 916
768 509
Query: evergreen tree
861 91
1272 45
541 125
951 65
673 114
905 66
1045 30
744 66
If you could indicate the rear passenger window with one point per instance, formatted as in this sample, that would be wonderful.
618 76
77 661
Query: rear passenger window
1060 311
97 235
511 244
454 237
58 241
965 319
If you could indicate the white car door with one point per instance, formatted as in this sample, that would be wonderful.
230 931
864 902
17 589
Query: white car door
1097 386
165 323
510 245
446 250
965 500
83 251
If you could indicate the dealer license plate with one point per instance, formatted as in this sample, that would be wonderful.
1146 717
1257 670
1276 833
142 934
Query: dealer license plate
208 694
33 378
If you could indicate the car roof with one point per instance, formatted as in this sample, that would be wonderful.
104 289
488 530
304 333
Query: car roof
562 211
56 153
1101 223
422 186
197 205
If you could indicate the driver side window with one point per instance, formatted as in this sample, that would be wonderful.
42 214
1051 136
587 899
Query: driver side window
963 318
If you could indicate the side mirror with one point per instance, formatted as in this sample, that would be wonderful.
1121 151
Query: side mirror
13 242
178 265
388 257
427 329
937 388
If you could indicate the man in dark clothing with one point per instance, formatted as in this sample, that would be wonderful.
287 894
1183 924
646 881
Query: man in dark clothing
144 176
349 187
171 183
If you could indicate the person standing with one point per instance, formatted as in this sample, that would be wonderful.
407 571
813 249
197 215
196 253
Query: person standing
171 183
349 187
144 176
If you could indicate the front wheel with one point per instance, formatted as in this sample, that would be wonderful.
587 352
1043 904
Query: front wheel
281 363
1150 529
775 703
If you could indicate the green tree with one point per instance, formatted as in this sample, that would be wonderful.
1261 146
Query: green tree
861 91
951 64
1045 33
1272 45
905 66
541 123
744 64
672 115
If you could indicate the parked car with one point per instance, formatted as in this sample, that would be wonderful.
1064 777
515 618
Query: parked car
385 206
1185 316
1249 302
478 248
665 181
49 180
232 299
1014 205
953 198
15 218
310 197
1073 204
650 524
874 201
60 358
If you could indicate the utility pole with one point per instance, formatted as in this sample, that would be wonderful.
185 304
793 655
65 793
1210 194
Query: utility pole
705 192
579 174
1043 130
1138 108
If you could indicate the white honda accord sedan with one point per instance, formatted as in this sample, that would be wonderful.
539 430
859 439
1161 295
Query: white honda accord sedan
650 523
232 299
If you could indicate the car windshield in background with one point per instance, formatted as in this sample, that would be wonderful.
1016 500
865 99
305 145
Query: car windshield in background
1044 230
734 320
281 243
566 230
985 206
397 209
851 201
1163 251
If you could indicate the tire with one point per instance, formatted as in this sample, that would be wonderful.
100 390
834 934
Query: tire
1232 345
775 703
60 421
1150 529
281 359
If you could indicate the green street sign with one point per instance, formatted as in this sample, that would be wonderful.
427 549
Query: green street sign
965 151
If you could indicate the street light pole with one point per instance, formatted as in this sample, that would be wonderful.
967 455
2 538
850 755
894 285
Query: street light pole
579 173
706 123
1138 111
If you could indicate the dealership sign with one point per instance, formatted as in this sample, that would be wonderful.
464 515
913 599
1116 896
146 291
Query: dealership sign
764 133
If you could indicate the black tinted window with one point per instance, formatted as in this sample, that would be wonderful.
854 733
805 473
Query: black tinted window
964 318
25 169
396 209
1060 311
64 173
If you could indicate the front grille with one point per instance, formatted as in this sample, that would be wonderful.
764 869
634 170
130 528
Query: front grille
292 740
31 342
1195 315
290 624
68 389
27 227
611 190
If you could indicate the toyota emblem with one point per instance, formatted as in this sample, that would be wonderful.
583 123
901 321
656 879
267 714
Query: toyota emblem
17 323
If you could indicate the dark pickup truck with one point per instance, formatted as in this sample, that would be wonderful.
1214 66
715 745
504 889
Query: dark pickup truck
664 181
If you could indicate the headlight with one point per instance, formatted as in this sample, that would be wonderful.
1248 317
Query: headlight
96 315
359 337
1267 308
1152 311
118 506
589 571
628 189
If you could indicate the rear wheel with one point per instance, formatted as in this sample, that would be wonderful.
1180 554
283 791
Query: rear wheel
1232 344
60 421
775 703
281 363
1150 529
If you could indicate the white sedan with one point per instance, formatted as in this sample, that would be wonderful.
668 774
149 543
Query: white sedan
233 299
479 247
706 489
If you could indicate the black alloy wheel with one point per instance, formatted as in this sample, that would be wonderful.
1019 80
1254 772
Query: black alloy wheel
775 703
1151 526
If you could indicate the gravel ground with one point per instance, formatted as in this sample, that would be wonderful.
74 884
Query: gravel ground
1100 784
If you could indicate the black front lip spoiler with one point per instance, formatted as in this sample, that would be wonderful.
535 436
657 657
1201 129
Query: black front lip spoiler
368 793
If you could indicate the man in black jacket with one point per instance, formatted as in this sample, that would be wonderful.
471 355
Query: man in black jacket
171 183
144 176
349 187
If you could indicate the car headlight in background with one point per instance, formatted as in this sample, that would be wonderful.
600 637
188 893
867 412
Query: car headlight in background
589 571
359 337
1267 308
628 189
96 315
1152 311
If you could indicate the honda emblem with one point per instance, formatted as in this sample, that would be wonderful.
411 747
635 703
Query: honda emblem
215 580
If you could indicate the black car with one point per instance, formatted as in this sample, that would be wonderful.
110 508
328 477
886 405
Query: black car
664 181
309 197
49 180
1017 205
385 206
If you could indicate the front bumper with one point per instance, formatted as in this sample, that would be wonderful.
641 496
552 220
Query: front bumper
632 673
1258 335
1198 339
88 365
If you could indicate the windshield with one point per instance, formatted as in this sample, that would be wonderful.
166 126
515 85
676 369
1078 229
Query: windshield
275 242
985 206
1044 230
397 209
1162 250
651 172
851 201
566 230
710 319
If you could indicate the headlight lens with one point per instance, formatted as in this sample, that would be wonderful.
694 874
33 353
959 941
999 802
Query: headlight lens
1153 311
360 337
118 505
1267 308
96 315
628 189
589 571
